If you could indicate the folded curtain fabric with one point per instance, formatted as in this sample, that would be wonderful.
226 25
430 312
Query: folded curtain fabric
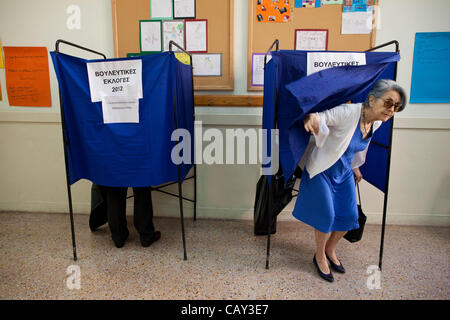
298 94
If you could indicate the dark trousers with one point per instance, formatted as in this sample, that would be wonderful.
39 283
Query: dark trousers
116 202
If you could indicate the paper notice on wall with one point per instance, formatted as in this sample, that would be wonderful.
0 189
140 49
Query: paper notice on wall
120 109
317 61
357 22
207 65
258 68
27 76
115 78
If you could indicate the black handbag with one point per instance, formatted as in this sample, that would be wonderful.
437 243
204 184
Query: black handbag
98 215
281 194
356 234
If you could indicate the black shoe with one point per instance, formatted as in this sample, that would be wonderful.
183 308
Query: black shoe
329 277
338 268
147 242
120 241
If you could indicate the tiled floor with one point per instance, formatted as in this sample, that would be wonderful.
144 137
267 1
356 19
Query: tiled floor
225 261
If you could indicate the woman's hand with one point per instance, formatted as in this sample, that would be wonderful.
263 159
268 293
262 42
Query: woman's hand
357 175
311 123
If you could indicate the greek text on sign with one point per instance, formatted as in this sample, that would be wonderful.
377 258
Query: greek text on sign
115 78
317 61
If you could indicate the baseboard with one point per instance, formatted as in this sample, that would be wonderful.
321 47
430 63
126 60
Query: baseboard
224 213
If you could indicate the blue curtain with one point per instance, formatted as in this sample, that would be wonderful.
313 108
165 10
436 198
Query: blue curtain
126 154
298 94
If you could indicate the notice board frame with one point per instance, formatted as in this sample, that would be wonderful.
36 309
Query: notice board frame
329 17
220 15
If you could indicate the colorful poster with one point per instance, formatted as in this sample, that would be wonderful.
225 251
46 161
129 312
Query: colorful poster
358 5
326 2
27 76
307 3
273 10
173 30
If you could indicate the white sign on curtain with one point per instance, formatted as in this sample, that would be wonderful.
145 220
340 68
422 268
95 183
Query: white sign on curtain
115 78
317 61
118 85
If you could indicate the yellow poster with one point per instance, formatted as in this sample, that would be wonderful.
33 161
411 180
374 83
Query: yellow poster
2 66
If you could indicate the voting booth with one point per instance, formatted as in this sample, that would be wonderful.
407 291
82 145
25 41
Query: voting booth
297 83
126 122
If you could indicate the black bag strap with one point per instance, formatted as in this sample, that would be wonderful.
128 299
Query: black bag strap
359 195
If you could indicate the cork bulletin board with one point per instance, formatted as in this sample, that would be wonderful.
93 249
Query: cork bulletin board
261 35
219 14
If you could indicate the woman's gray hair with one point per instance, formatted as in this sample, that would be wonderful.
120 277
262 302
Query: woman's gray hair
384 85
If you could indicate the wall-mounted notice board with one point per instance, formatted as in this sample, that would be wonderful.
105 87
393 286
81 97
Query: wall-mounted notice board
261 35
219 14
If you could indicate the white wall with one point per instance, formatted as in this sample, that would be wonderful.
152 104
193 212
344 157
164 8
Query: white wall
32 176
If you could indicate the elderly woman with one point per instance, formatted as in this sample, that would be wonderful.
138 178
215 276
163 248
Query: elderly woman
327 197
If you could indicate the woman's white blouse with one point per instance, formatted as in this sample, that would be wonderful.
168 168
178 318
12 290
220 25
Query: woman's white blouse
336 128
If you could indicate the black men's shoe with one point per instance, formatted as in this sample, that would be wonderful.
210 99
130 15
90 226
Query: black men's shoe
146 242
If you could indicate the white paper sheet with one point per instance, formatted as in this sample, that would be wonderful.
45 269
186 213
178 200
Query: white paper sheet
317 61
258 69
115 78
357 22
311 40
120 109
196 36
184 9
207 64
160 9
173 30
151 36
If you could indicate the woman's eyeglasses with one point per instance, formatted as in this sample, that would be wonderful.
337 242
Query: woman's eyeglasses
389 103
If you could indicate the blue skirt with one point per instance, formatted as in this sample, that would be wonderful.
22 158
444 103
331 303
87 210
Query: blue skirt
327 202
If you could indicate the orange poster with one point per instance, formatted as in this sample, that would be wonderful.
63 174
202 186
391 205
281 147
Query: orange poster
273 10
27 76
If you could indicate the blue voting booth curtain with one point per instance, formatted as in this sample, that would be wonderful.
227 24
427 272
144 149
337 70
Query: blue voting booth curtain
126 154
298 94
